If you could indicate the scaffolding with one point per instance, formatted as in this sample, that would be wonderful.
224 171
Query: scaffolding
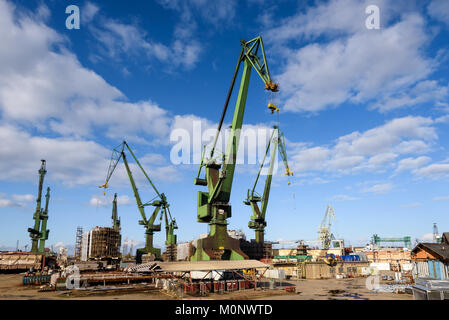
79 238
104 243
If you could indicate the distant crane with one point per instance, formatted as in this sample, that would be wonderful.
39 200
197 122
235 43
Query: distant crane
159 202
115 218
258 222
39 232
324 231
436 234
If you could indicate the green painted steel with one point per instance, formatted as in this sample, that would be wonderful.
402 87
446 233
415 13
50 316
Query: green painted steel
406 240
213 206
257 221
44 217
39 232
115 219
160 204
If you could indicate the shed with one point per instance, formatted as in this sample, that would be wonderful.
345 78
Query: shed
431 260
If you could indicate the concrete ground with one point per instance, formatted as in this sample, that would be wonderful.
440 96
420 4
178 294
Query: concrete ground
11 288
337 289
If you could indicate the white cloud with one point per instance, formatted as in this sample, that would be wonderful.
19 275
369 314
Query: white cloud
351 63
44 85
380 188
71 161
88 12
412 205
343 197
428 237
121 41
439 10
214 12
373 149
16 200
106 201
441 198
412 163
434 171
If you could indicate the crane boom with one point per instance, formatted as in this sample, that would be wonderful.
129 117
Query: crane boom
158 204
213 206
324 231
35 232
258 222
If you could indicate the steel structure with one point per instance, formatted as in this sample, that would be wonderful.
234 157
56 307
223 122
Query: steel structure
324 230
159 203
79 238
115 219
436 235
39 232
405 240
258 222
213 205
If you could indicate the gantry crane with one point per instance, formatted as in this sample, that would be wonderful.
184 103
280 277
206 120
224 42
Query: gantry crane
159 203
213 205
39 233
258 222
324 231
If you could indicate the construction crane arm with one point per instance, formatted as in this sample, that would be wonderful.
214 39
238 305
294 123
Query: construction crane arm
257 221
250 56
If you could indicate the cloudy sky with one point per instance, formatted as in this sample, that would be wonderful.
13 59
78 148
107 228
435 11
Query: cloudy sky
365 111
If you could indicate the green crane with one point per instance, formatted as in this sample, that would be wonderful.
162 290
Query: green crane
324 230
38 233
406 240
44 217
213 206
159 203
258 222
114 217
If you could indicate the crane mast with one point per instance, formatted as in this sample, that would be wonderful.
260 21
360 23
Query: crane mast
258 222
213 205
114 217
324 231
158 204
44 217
35 232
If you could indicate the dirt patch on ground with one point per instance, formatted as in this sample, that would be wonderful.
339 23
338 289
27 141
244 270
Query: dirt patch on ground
11 288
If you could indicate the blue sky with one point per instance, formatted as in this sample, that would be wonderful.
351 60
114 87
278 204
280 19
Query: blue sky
365 112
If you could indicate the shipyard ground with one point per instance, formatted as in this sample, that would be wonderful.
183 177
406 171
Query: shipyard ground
11 288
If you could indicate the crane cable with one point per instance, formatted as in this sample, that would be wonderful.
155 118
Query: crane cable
272 106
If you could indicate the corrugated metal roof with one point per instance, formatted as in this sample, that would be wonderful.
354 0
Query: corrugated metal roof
210 265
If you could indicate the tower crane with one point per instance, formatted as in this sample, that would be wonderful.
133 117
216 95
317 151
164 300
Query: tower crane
258 222
213 205
114 217
39 232
324 231
159 203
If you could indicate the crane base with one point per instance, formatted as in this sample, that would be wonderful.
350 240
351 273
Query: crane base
210 248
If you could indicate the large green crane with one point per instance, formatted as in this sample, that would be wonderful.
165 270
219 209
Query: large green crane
36 233
213 206
159 202
258 222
